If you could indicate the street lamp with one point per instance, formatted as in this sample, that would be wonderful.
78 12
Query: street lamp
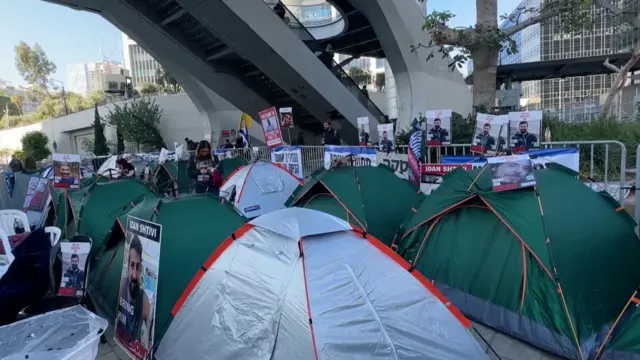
64 96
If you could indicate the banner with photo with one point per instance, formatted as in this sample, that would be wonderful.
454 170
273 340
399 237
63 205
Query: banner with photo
362 156
438 127
364 131
271 127
490 134
568 157
286 118
135 319
385 137
74 260
66 169
525 130
511 172
37 194
289 158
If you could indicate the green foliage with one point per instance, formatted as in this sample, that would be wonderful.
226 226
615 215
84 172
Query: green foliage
35 148
360 76
138 122
100 146
34 66
119 142
7 104
167 82
5 155
148 89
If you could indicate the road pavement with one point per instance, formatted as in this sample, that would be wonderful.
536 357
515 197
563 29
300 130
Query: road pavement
19 193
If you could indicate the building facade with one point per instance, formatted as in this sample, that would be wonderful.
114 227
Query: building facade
142 67
569 98
88 77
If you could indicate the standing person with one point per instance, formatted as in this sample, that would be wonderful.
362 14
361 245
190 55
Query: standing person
227 144
239 142
205 170
330 135
126 168
279 10
365 91
190 144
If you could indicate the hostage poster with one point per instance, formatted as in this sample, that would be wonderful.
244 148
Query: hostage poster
271 127
135 319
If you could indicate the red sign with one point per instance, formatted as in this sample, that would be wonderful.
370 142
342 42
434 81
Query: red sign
441 169
226 133
434 143
271 127
477 149
518 149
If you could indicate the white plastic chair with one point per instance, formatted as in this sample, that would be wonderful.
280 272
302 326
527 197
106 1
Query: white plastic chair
54 234
8 217
7 249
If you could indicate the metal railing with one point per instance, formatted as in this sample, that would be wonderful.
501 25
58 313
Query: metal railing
339 73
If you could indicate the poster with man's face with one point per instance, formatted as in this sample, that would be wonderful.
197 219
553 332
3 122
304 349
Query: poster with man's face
385 137
438 127
286 118
490 133
525 128
511 172
66 169
74 259
135 318
363 130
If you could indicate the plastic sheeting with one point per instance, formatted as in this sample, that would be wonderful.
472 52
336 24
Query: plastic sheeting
68 334
252 302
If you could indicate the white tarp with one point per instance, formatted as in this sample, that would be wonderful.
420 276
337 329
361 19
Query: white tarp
68 334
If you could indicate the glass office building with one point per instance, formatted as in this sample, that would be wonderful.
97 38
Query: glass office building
548 41
142 66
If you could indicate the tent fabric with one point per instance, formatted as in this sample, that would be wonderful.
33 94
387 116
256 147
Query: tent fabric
259 188
548 264
280 290
372 198
625 336
170 172
192 227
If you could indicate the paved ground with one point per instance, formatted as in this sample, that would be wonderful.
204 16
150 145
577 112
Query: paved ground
15 202
110 350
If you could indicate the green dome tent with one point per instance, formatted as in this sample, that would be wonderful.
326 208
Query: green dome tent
549 265
192 228
624 335
371 197
94 208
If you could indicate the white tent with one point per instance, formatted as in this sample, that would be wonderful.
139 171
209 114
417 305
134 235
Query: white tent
259 188
301 284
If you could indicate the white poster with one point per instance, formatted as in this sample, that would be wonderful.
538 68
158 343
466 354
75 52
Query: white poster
439 127
525 128
385 137
364 132
511 172
568 157
289 158
362 156
66 169
490 133
74 259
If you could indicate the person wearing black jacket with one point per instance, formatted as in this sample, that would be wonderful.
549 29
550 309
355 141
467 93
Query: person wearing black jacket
205 169
330 135
279 10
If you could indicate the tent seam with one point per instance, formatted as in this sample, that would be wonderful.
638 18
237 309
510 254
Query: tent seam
306 293
445 210
373 310
355 174
342 204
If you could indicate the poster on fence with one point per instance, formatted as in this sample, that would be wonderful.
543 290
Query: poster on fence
490 133
359 156
568 157
439 127
271 127
286 118
364 131
289 158
385 136
511 172
135 319
66 169
525 128
74 259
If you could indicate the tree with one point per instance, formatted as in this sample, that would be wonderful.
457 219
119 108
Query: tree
100 146
7 104
360 76
167 82
34 66
137 122
380 81
148 89
483 42
5 155
18 100
35 147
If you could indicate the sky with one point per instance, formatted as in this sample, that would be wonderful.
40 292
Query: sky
70 37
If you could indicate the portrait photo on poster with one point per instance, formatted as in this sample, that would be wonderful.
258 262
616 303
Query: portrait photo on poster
74 260
438 127
66 171
490 133
511 172
364 132
286 117
525 128
271 127
135 318
385 136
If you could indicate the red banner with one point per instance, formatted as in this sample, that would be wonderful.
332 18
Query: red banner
441 169
271 127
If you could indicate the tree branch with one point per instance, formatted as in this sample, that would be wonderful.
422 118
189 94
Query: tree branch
544 15
629 18
610 66
444 35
